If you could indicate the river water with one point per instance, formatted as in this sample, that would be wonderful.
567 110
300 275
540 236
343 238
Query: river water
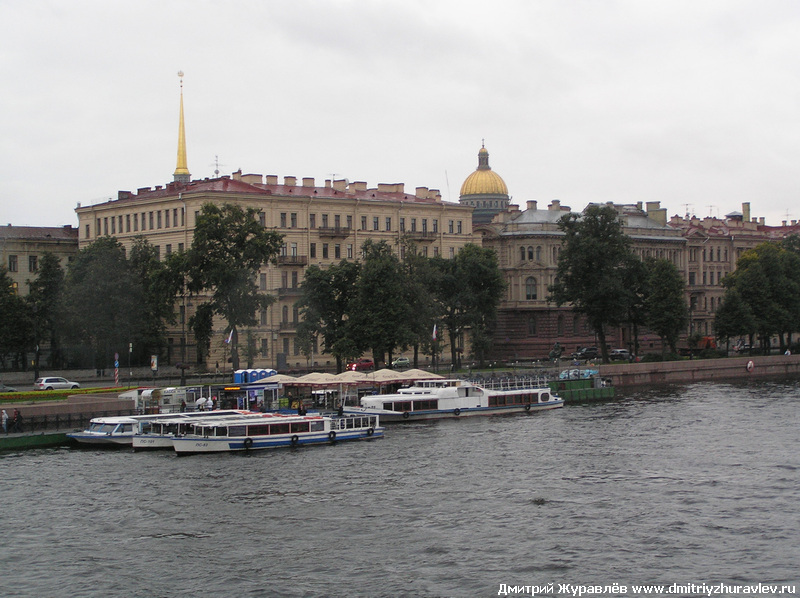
696 484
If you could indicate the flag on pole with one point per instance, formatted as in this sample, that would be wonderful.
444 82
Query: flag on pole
230 338
433 336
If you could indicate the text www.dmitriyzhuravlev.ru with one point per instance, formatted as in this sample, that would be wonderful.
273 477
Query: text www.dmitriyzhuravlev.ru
691 589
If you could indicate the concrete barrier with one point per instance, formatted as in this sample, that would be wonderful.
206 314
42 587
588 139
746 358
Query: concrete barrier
701 370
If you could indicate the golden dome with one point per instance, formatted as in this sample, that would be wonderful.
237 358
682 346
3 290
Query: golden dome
484 181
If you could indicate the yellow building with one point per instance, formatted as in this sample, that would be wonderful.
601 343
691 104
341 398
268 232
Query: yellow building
22 247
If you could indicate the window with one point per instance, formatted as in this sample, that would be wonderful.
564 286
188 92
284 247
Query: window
435 225
402 225
113 226
337 251
312 221
293 250
349 221
458 227
284 279
262 282
285 314
532 326
294 279
169 248
324 251
376 223
363 223
538 254
450 226
12 263
135 222
324 221
33 263
150 221
349 252
424 225
312 250
692 281
388 223
530 288
337 221
127 223
293 219
166 218
530 252
262 219
413 225
283 219
522 254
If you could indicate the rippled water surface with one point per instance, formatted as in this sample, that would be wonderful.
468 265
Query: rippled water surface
681 485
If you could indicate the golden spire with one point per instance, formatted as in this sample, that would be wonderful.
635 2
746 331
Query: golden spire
181 174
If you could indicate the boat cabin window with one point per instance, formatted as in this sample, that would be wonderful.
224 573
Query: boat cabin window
260 430
279 429
299 427
317 426
237 430
425 405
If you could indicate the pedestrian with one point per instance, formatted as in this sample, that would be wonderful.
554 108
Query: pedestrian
16 424
209 404
5 422
183 406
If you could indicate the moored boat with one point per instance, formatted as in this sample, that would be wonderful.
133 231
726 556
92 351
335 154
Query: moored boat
451 398
119 430
274 431
157 433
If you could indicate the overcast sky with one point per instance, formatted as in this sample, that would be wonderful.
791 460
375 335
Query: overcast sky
690 103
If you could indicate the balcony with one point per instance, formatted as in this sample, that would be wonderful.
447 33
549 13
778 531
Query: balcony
289 292
334 231
417 235
292 260
288 326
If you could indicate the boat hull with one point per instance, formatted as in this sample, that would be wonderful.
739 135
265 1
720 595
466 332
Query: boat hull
101 439
193 445
407 416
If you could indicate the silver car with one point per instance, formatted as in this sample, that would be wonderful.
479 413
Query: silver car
53 383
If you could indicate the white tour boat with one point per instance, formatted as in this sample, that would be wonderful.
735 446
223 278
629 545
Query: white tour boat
158 433
450 398
116 430
120 429
273 431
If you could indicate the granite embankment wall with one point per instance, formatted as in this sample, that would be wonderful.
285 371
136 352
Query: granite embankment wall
702 370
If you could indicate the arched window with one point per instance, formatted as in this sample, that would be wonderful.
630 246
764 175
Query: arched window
285 313
560 325
539 254
530 253
530 288
522 253
532 326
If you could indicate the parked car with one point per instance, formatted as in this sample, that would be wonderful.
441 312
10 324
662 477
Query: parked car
619 355
362 364
54 383
586 353
401 362
4 388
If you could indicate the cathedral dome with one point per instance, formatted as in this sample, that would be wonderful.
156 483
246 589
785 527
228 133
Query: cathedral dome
484 181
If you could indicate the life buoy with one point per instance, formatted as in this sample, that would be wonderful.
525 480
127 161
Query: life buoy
750 366
295 440
331 436
248 442
406 415
528 407
370 431
457 412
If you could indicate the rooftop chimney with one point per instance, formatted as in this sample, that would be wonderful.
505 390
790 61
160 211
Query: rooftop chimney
532 204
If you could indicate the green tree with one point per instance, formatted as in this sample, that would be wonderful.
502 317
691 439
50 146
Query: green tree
418 290
326 305
665 304
161 282
103 300
15 323
468 291
636 290
44 300
733 317
591 268
228 248
382 314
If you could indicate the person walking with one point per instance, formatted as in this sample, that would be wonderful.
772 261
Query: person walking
5 422
16 423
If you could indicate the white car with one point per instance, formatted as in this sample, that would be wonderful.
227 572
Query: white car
53 382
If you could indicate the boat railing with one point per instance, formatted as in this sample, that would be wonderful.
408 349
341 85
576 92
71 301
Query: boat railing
512 382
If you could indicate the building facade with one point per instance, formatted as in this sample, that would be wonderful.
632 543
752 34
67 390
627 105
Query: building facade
322 225
22 247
